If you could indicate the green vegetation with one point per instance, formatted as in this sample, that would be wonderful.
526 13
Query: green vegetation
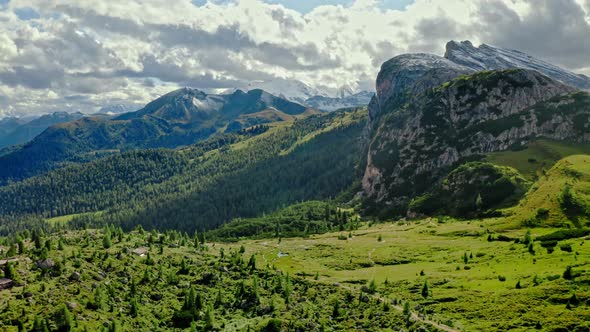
202 186
304 219
446 269
472 189
257 225
86 287
538 156
559 198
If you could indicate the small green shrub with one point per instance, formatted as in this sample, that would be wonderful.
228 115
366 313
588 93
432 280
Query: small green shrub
567 247
568 274
564 234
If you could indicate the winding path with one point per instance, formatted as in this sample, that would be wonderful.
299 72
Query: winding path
414 316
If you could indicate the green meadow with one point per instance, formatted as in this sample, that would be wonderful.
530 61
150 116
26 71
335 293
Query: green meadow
474 284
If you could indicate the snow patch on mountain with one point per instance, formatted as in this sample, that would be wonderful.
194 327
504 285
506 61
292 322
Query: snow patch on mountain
331 104
114 109
486 57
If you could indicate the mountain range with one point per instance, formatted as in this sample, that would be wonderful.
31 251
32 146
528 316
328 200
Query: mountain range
15 131
430 116
348 95
179 118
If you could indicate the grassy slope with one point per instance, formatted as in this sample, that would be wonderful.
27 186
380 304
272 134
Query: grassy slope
540 154
472 300
545 193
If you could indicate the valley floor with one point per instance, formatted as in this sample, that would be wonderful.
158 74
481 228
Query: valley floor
433 274
473 284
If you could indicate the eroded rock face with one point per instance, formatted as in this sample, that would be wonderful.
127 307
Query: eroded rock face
416 143
407 75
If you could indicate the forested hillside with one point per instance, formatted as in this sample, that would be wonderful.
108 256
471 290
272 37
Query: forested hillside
204 185
179 118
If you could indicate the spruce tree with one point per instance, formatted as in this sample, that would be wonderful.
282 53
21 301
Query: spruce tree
425 291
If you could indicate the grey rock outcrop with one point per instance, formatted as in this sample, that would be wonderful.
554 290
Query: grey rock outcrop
417 143
45 264
486 57
407 75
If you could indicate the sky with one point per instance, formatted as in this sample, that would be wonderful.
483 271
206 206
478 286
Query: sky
80 55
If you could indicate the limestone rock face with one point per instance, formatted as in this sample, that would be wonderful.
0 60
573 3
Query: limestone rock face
410 74
416 143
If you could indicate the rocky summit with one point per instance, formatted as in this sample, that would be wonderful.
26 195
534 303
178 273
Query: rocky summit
408 75
486 57
417 142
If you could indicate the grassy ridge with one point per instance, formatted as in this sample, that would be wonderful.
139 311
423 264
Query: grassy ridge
547 195
539 155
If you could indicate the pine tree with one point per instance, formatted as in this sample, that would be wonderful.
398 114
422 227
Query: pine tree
65 321
287 289
106 240
218 299
134 307
567 274
38 242
372 286
209 319
527 237
21 246
190 300
252 263
407 309
336 310
425 291
199 302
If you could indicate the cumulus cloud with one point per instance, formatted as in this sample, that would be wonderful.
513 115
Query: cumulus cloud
558 31
8 49
79 54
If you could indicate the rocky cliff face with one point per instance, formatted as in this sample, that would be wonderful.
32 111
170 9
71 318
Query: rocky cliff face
410 74
486 57
417 142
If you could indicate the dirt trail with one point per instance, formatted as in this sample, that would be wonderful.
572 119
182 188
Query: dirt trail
414 316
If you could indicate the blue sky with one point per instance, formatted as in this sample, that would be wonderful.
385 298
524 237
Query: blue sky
306 6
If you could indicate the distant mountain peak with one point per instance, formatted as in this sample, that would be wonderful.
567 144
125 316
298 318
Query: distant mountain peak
113 109
487 57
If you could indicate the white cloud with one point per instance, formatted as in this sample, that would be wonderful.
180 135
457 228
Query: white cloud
81 54
8 49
